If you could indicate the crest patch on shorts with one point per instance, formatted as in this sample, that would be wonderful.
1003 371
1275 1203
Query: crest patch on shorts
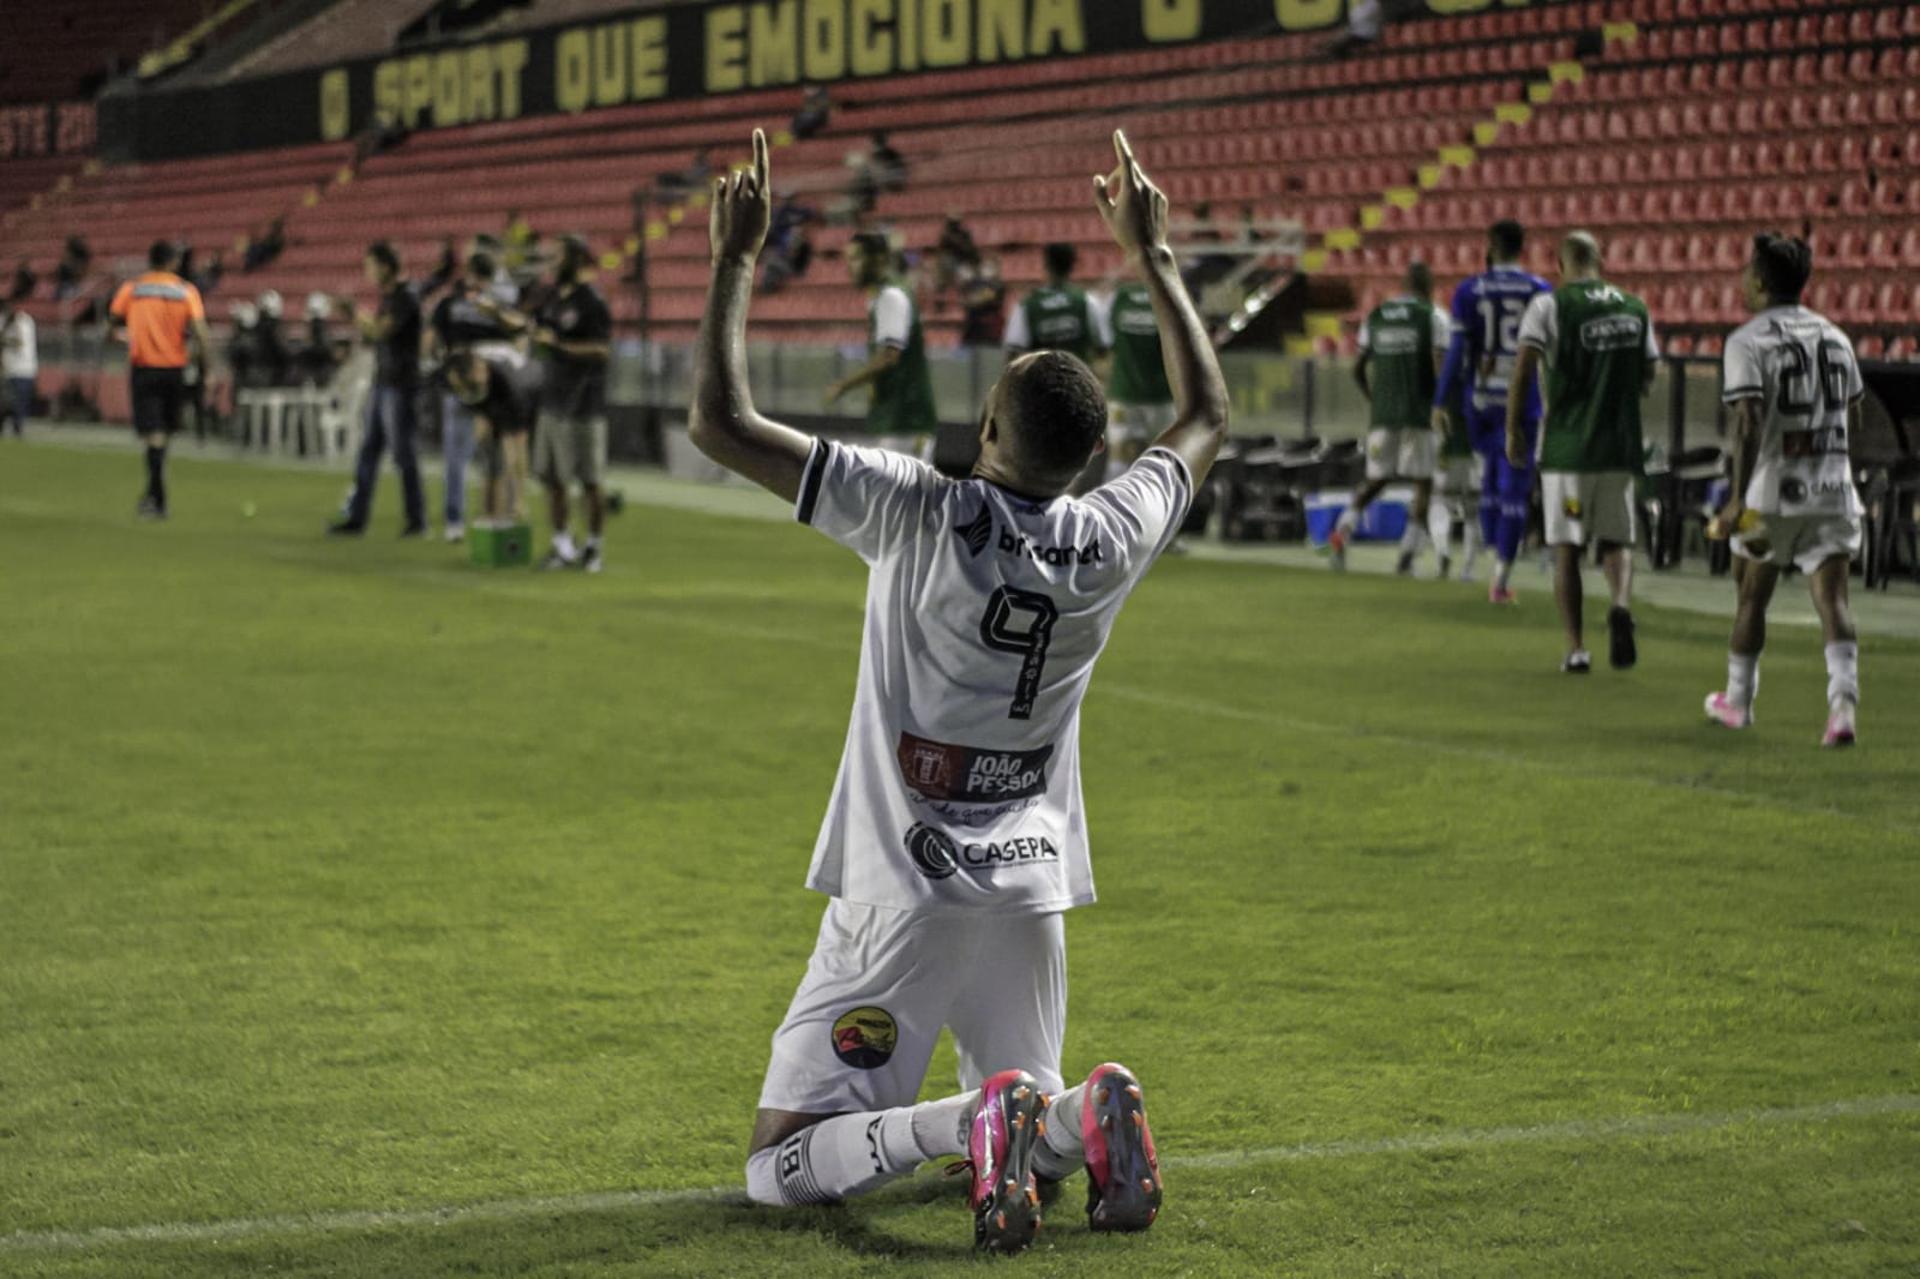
1572 507
864 1038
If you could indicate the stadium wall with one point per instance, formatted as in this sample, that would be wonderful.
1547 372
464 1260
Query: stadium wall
689 51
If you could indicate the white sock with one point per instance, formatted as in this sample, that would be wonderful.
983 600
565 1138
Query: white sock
1743 679
1440 527
1502 573
1843 671
563 544
1062 1152
852 1154
593 541
1349 517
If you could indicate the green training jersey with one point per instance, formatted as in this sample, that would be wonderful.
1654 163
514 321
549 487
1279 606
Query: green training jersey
1139 369
1598 344
903 395
1054 318
1401 335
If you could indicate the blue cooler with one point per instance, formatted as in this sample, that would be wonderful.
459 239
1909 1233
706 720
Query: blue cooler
1383 521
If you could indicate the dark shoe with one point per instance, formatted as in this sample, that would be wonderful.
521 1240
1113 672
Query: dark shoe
1123 1168
1403 567
150 509
1621 650
413 531
345 528
1580 663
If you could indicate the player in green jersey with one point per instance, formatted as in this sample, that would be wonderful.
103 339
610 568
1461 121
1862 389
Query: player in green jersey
1402 344
1139 400
1596 341
1057 316
901 410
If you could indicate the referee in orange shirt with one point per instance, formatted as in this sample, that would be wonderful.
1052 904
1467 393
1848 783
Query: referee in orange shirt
160 311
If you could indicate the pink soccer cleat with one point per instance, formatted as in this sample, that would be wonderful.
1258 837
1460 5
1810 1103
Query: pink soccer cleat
1498 594
1123 1170
1839 724
1724 713
1005 1198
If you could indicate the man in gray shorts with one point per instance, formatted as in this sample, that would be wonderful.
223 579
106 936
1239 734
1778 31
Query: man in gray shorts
572 334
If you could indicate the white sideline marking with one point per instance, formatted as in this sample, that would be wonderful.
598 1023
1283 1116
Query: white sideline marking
1588 1130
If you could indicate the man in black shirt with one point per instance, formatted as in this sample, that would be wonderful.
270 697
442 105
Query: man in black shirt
468 319
393 330
502 391
572 333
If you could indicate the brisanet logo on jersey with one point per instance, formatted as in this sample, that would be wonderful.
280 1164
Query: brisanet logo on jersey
938 855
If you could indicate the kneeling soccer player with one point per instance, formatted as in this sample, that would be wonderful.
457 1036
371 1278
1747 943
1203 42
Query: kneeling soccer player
954 839
1794 386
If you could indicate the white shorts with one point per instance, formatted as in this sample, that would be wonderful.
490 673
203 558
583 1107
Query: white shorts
1805 541
1456 476
1404 453
882 983
1582 507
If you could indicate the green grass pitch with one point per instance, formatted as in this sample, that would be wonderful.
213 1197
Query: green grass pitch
346 879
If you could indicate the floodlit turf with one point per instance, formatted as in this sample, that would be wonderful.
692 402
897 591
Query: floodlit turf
340 878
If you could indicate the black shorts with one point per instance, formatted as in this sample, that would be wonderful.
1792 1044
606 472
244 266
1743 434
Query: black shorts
157 397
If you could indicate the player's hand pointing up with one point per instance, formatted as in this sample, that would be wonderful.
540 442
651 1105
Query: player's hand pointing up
1134 209
742 208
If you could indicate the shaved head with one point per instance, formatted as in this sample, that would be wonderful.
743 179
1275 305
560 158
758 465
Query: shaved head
1580 251
1420 280
1051 412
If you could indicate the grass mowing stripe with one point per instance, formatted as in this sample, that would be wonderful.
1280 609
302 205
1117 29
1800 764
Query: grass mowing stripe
1572 1130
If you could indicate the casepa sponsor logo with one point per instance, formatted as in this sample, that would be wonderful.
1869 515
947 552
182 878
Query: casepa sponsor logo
1012 543
1612 333
937 855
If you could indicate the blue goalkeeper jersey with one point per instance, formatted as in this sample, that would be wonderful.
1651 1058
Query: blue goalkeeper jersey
1486 340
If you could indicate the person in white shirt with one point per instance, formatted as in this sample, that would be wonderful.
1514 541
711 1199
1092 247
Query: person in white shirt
954 838
19 365
1793 384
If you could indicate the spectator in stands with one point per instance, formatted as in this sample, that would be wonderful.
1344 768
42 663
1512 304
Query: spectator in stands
1057 316
19 365
262 249
24 282
393 331
863 190
677 184
1364 18
983 297
954 252
471 318
382 135
888 165
815 110
789 249
71 271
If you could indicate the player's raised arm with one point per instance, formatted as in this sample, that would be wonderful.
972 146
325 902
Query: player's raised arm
1135 211
724 424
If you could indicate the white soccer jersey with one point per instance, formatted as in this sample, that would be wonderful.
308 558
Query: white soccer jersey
960 784
1802 370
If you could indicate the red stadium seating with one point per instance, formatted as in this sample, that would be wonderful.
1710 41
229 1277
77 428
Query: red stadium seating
1724 116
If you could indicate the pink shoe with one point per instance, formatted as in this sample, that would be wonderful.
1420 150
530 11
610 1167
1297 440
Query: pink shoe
1337 550
1498 594
1005 1199
1727 715
1123 1169
1839 724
